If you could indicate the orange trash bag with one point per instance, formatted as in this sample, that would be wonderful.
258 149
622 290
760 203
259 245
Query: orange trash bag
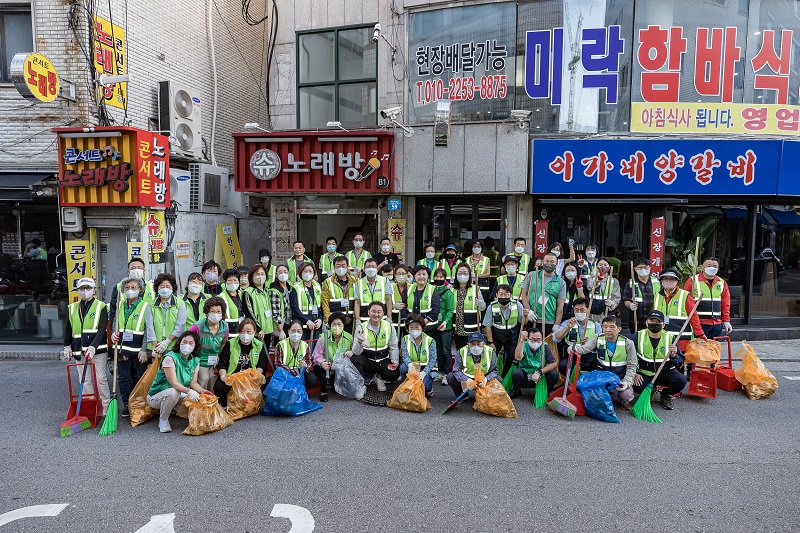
206 415
702 352
245 397
492 398
758 382
138 407
410 395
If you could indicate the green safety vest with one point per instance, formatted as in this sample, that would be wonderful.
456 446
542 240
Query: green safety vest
589 332
675 313
552 290
711 304
425 303
616 362
649 359
296 358
231 312
191 318
292 264
184 371
358 261
498 322
524 264
531 361
270 275
471 318
432 264
84 331
481 267
149 292
333 347
449 271
135 324
259 303
469 366
378 344
419 355
516 287
337 295
304 302
398 298
326 263
236 354
367 296
636 292
42 255
211 343
164 320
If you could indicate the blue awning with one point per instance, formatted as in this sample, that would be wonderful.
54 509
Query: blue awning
785 218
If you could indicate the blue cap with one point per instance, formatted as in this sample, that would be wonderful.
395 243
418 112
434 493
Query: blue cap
476 336
451 247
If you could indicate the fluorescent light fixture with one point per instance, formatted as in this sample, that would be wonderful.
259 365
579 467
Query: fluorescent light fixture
336 124
122 78
91 135
273 139
255 126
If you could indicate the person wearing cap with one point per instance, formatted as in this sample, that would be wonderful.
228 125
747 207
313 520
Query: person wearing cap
430 257
326 260
418 348
475 353
653 345
555 294
372 288
234 306
530 368
294 262
85 336
338 293
714 310
614 353
577 331
265 258
135 270
385 256
675 304
524 259
501 325
639 293
512 277
449 262
375 349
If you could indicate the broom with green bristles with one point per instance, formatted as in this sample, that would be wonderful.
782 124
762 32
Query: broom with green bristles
642 408
540 398
78 423
111 420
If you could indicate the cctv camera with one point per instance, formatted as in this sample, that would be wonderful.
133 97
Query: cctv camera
377 33
520 114
391 113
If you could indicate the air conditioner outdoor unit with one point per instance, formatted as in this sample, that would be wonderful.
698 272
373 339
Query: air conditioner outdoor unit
180 112
208 188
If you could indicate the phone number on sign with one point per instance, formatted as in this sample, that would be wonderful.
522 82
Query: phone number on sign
457 89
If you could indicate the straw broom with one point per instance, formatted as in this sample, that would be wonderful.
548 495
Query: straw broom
540 398
112 416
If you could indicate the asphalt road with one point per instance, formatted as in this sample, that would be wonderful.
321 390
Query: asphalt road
728 464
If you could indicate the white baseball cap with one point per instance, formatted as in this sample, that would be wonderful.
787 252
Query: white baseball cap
85 282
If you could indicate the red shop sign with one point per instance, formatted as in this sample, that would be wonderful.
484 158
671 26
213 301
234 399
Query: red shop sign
303 161
656 245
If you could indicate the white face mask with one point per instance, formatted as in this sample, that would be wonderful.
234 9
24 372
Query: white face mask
371 272
400 279
520 249
308 276
556 253
476 350
232 286
389 277
214 318
244 281
643 272
511 270
132 294
711 271
358 244
591 255
259 280
570 275
194 288
385 248
462 278
246 338
580 317
211 277
534 345
477 251
295 337
86 294
137 273
430 255
165 292
415 333
669 285
283 277
186 349
265 260
341 271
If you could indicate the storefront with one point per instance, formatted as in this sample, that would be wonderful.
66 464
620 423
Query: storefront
458 220
739 196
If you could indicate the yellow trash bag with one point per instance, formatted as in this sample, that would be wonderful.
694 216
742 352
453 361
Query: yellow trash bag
410 395
245 397
702 352
758 382
492 398
138 407
206 415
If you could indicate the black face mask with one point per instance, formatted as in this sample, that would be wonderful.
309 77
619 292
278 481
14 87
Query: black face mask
549 268
655 328
449 256
504 301
438 282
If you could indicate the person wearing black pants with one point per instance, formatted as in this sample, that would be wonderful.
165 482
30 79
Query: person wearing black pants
502 324
529 353
653 345
375 348
237 356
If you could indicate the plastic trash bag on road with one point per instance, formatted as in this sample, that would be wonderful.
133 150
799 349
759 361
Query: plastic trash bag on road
245 397
138 407
206 415
702 352
346 380
758 382
286 395
410 395
595 388
492 398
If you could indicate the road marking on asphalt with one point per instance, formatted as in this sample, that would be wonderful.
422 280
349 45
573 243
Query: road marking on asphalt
53 509
792 378
161 523
301 518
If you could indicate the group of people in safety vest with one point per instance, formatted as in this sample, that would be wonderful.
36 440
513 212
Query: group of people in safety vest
448 313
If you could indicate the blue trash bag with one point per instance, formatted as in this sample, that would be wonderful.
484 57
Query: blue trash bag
595 388
286 395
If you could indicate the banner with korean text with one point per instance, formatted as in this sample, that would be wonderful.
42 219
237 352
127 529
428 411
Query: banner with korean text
772 119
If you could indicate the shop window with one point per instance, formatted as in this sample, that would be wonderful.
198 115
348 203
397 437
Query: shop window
776 266
16 35
337 72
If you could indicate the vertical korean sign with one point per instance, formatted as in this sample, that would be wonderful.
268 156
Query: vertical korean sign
656 245
540 242
153 222
111 59
153 171
81 261
397 236
227 251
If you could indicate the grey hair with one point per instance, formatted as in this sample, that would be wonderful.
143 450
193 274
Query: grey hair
138 281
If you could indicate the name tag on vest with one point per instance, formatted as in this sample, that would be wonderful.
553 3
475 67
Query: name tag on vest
127 336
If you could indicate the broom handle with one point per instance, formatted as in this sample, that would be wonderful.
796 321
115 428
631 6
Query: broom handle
677 338
542 304
114 387
609 281
83 380
633 294
696 259
591 295
569 369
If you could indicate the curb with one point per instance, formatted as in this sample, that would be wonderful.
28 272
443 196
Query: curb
30 356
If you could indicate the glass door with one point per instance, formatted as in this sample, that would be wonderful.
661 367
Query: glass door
445 221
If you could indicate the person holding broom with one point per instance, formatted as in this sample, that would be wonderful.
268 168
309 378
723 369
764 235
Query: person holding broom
653 345
534 361
548 306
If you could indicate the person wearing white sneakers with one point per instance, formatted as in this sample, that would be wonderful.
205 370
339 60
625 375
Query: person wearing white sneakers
375 350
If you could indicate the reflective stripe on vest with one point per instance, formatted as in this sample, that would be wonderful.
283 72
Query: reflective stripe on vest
648 360
498 322
191 318
358 262
449 271
231 313
164 328
236 354
590 331
468 366
618 358
425 304
419 355
675 312
471 319
367 296
261 305
711 304
326 263
378 344
524 263
288 352
83 332
136 329
516 287
337 295
303 301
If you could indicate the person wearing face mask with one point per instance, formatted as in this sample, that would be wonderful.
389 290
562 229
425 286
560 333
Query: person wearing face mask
176 379
639 293
577 331
513 278
293 353
244 281
549 306
211 271
258 303
234 305
386 257
338 293
326 260
241 352
375 349
430 258
387 271
577 287
85 336
294 262
475 353
132 331
423 299
714 310
265 258
524 259
358 256
501 325
611 352
449 262
194 299
676 304
305 300
419 349
444 331
653 345
372 288
136 271
469 304
590 265
557 250
168 315
481 268
402 281
213 333
334 341
605 294
530 368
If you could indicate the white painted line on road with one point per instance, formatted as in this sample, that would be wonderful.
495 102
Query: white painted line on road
161 523
53 509
301 518
792 378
